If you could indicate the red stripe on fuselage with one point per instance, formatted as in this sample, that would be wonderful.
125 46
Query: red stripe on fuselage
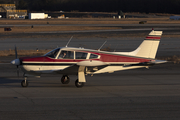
118 58
153 38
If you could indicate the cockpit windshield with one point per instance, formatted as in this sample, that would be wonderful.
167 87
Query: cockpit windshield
53 53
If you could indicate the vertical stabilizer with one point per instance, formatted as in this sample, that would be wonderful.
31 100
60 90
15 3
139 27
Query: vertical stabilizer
149 46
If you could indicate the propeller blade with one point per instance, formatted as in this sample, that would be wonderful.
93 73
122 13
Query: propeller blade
15 51
17 70
16 58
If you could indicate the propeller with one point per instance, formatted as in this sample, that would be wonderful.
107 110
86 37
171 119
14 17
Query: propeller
16 61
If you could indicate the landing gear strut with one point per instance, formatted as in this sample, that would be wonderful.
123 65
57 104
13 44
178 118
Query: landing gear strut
24 83
65 79
79 84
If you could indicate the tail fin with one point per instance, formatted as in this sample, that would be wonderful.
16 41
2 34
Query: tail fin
149 46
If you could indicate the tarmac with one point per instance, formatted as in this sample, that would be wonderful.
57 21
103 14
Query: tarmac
135 94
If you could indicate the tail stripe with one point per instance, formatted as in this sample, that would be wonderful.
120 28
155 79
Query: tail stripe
153 38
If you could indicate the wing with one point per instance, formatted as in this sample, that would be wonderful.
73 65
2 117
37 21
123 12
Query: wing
73 69
79 68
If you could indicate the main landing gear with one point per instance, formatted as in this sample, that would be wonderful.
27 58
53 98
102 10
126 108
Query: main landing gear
79 84
65 80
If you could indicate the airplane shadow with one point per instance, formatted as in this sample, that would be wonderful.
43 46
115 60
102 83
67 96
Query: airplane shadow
16 82
10 82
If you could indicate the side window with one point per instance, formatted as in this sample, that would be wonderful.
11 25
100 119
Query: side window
81 55
93 56
66 55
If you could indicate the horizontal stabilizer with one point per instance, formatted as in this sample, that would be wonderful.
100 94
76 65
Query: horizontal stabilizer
159 61
147 63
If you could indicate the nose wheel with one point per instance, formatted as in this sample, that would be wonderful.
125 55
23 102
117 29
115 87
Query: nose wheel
24 83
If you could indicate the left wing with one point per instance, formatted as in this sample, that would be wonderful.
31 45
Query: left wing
79 68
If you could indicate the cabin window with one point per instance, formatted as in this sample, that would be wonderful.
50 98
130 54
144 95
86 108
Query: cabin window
81 55
53 53
66 55
93 56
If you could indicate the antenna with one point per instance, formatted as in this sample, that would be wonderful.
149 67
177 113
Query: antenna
69 41
115 48
102 45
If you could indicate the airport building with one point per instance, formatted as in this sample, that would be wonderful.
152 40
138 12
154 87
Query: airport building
9 11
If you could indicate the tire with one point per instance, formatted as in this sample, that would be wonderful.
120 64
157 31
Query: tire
24 84
65 79
79 84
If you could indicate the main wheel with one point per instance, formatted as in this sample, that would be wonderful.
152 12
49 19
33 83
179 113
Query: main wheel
24 83
79 84
65 79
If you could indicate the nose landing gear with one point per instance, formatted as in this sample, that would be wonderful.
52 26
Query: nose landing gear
24 83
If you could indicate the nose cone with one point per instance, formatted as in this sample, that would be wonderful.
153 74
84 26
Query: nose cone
15 62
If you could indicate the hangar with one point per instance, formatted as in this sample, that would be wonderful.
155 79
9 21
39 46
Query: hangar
9 11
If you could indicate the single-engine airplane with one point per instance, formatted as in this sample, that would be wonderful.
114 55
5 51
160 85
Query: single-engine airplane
81 62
